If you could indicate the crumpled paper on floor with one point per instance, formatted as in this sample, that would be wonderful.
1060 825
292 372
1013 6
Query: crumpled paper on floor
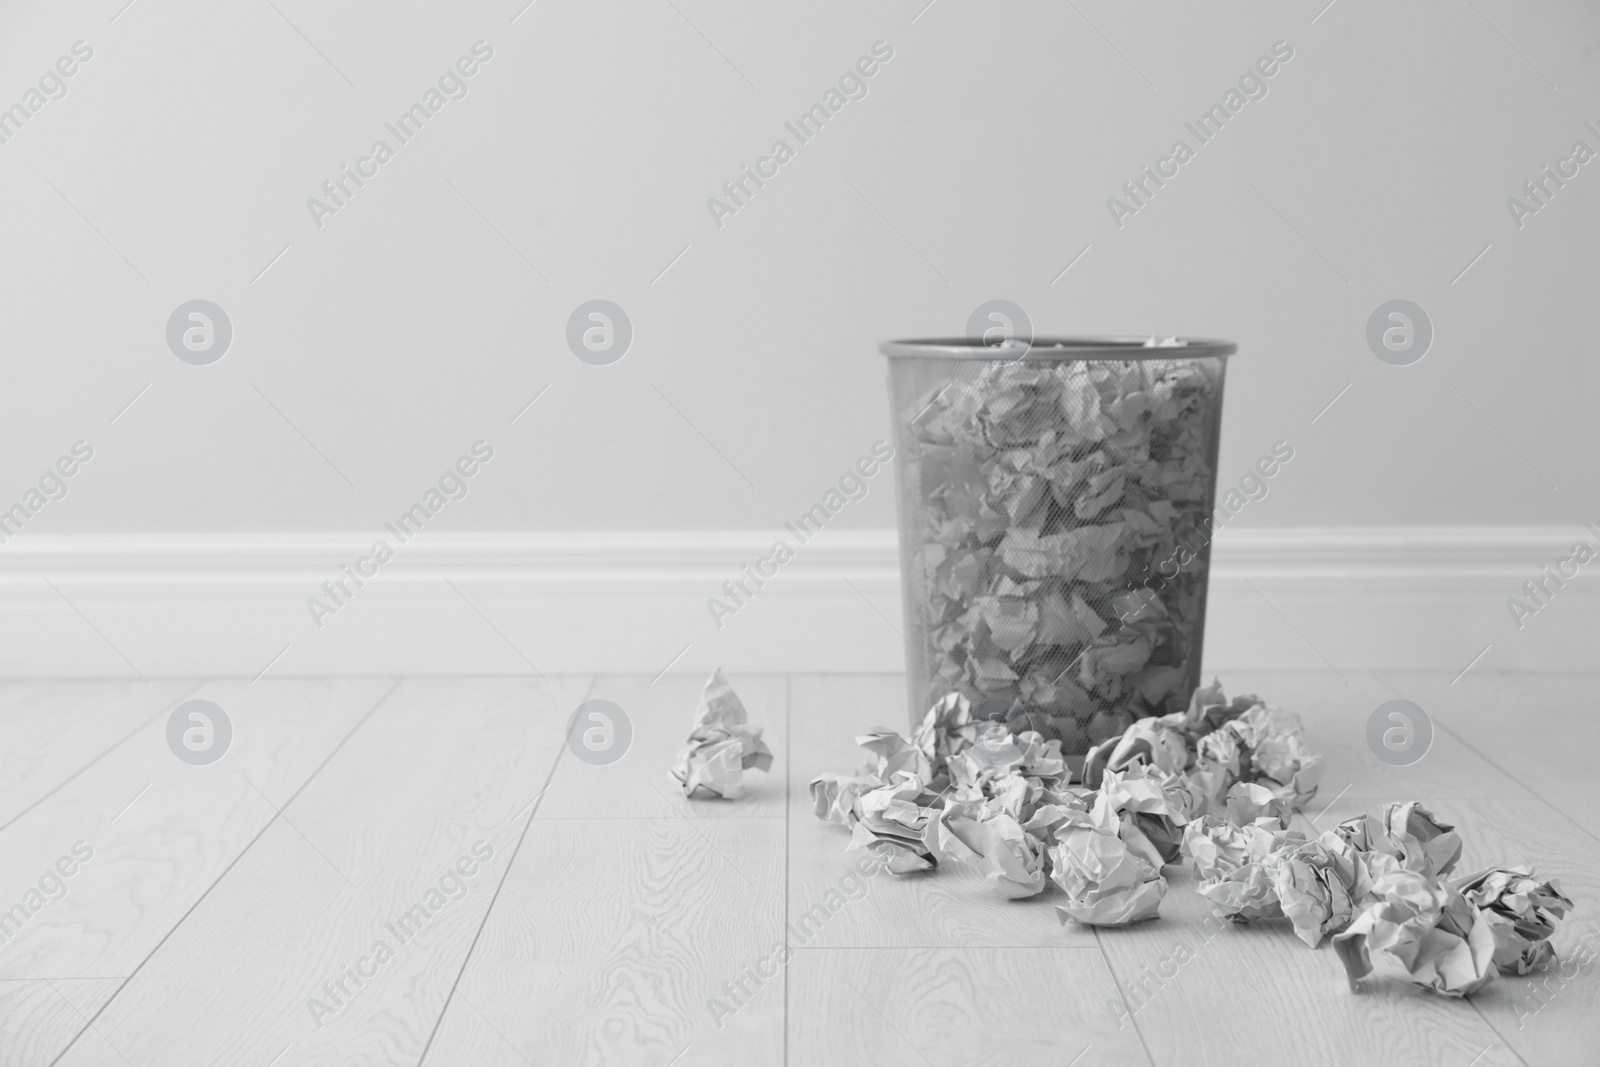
1361 866
1248 803
836 797
1366 833
947 730
722 746
893 822
1147 810
1279 757
1007 795
1010 854
1106 882
891 754
1236 864
991 783
1218 763
998 753
1262 746
998 800
1442 940
1156 742
1209 708
1425 844
1522 912
890 804
1314 882
1409 835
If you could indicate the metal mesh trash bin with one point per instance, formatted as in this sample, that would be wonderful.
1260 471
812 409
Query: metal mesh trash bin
1055 525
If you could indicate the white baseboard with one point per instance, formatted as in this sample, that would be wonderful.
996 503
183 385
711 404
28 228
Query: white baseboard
1286 599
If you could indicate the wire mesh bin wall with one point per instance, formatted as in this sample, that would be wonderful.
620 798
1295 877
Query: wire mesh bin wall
1055 525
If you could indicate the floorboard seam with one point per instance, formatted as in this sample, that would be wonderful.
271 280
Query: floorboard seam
231 864
1112 971
114 746
488 911
1531 791
1468 745
1496 1032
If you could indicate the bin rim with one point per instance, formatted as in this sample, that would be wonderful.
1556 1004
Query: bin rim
1054 349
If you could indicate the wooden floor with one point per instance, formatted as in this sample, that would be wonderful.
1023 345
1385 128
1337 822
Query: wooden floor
220 900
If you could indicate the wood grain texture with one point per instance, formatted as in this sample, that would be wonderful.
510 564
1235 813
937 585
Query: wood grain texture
53 731
161 830
612 937
627 908
932 1007
1544 729
38 1017
661 714
440 766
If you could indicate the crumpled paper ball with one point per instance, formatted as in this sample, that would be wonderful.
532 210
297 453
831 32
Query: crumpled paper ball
722 746
1106 882
1430 928
892 825
1364 833
1406 837
1218 761
947 730
1146 809
1155 742
1262 746
836 797
1248 803
1011 855
997 753
983 777
1424 843
1314 888
1001 822
1236 865
1209 708
1279 757
1360 866
1521 910
892 753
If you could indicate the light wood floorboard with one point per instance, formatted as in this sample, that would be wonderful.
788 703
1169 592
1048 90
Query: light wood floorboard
160 831
39 1016
614 917
986 1007
435 769
51 732
611 939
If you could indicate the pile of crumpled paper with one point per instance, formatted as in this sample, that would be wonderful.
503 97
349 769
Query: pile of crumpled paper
1215 785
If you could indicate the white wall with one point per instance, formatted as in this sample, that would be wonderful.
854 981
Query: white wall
405 328
372 351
